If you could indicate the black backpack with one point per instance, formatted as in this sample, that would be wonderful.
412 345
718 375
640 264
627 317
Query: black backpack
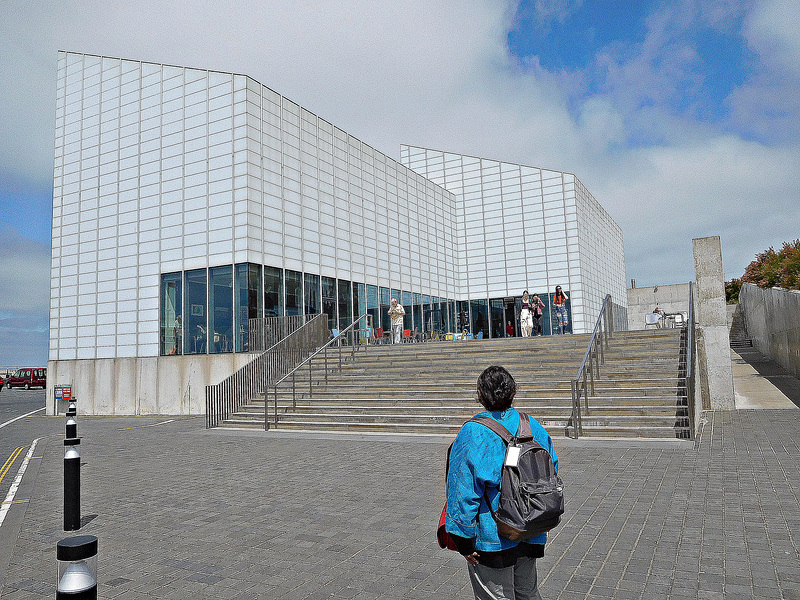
531 493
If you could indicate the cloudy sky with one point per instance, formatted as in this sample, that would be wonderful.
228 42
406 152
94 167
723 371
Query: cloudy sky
681 117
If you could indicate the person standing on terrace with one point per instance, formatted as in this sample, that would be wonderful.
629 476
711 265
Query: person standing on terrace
396 313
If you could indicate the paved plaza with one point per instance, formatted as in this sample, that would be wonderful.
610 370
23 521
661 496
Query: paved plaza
184 512
181 512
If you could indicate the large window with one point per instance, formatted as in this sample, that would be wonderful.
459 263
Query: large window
171 313
480 318
359 301
249 301
311 294
416 301
329 300
408 319
345 296
462 316
195 310
208 310
426 324
220 311
497 314
273 292
294 293
373 305
386 323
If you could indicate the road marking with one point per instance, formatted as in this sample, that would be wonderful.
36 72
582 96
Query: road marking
10 461
140 426
21 417
12 491
25 501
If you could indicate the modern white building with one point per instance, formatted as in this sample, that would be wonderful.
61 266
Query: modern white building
187 200
520 227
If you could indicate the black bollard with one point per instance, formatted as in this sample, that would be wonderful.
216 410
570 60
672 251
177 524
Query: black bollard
72 485
72 410
77 568
72 428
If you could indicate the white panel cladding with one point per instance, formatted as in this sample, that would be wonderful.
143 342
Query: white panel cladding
329 204
522 227
161 168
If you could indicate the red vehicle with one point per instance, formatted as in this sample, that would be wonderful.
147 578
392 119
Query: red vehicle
28 378
1 383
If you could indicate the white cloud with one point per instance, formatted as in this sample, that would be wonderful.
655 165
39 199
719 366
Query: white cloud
437 74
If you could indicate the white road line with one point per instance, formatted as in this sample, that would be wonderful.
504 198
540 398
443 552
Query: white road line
12 491
20 417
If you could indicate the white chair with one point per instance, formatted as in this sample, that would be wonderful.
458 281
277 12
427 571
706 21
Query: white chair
653 319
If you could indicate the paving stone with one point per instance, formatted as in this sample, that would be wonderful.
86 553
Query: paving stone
182 512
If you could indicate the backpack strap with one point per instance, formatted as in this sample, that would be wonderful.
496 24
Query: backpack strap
496 427
524 427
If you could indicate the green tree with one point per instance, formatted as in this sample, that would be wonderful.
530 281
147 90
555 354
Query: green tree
732 288
776 269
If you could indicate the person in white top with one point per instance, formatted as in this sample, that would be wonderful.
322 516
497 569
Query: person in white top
396 313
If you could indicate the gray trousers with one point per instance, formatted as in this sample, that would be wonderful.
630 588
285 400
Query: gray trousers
512 583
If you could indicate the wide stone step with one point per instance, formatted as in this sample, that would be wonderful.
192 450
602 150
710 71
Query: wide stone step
528 404
430 388
412 414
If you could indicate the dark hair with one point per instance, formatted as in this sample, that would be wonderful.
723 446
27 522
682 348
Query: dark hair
496 388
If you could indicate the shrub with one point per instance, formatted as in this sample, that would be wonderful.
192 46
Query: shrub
732 288
776 269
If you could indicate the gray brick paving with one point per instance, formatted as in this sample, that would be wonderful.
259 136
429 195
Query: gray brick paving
181 512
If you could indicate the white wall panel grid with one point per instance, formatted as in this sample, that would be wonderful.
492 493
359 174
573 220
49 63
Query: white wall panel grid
549 214
193 168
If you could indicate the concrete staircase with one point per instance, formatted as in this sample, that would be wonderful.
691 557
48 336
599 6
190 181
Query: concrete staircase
737 330
430 388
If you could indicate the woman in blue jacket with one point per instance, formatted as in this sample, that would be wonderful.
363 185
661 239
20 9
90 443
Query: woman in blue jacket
498 568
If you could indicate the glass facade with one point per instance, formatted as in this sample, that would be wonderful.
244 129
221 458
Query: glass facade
196 311
248 301
408 319
385 298
416 302
373 306
480 318
219 301
273 292
329 300
171 313
311 293
345 294
220 313
497 314
294 293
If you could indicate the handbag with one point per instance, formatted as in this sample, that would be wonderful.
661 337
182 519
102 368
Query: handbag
445 541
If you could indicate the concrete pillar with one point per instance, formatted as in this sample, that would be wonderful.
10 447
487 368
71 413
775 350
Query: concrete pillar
713 341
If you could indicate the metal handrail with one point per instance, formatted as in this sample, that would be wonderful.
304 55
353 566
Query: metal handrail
691 355
593 358
337 341
253 378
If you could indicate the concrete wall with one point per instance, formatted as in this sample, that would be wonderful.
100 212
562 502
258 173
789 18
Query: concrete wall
166 385
772 321
669 298
713 341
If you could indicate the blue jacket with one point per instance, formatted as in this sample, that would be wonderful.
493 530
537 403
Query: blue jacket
476 460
